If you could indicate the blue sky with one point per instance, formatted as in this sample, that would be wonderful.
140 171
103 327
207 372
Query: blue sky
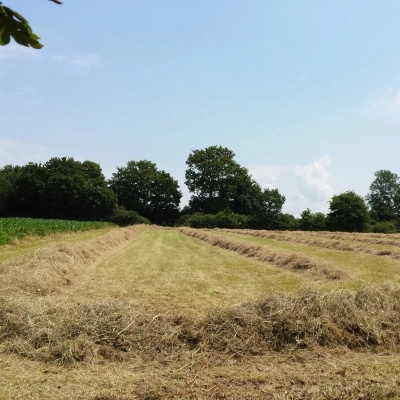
306 93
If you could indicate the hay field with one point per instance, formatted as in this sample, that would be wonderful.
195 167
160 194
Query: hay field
151 313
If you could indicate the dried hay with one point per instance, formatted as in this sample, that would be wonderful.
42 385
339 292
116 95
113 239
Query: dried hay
327 240
70 333
290 261
50 268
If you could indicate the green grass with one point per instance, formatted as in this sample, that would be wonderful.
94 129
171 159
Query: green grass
18 228
362 268
169 269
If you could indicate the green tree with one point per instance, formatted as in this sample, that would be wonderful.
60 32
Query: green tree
217 183
13 24
25 199
348 212
269 209
384 196
212 178
288 222
76 190
141 187
312 221
61 188
8 176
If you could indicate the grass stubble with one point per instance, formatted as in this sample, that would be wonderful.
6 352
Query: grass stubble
84 320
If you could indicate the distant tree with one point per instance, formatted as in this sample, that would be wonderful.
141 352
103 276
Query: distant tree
287 222
384 196
8 176
312 221
26 197
217 183
212 176
141 187
269 210
76 190
16 26
348 212
62 188
223 219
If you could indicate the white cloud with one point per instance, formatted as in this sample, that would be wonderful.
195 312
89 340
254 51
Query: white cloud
267 176
304 186
78 62
20 153
314 180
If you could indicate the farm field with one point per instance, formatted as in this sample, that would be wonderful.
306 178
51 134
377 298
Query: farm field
146 312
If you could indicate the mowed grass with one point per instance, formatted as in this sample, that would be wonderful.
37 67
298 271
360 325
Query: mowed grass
166 270
150 313
18 228
361 268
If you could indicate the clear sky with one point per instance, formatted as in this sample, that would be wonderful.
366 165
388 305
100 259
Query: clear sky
305 93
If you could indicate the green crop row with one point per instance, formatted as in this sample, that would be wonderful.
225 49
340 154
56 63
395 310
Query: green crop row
17 228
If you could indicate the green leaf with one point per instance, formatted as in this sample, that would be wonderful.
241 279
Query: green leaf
15 25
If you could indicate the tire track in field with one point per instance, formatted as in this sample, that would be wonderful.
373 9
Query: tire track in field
291 261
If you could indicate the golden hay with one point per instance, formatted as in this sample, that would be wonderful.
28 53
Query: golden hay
327 240
69 333
290 261
51 267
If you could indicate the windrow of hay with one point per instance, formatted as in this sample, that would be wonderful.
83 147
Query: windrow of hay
54 266
114 330
335 242
391 239
282 259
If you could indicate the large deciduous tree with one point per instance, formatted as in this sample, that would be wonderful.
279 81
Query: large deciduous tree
268 209
218 183
384 196
213 177
348 212
61 188
77 190
141 187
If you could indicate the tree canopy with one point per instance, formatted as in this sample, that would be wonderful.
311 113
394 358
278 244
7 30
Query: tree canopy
384 196
218 183
348 212
141 187
62 188
223 194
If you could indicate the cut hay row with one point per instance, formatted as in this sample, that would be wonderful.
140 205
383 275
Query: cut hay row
392 239
54 266
114 330
333 242
291 261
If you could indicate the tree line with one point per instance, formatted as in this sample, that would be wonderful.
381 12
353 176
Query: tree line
223 194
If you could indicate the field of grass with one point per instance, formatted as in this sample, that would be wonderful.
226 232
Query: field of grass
18 228
152 313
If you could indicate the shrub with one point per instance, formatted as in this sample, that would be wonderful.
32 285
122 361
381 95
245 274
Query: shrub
223 219
382 227
123 217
